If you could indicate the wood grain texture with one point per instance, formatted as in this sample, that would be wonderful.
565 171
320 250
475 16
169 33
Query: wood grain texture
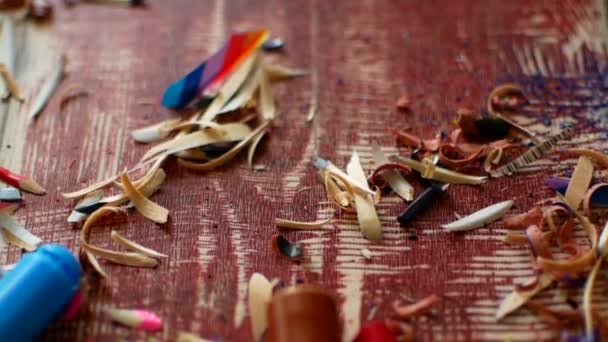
362 56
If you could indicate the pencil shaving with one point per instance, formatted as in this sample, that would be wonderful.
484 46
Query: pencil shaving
135 247
234 132
394 179
267 106
252 148
441 174
579 182
259 295
17 235
214 163
155 132
364 204
145 206
48 88
300 225
279 73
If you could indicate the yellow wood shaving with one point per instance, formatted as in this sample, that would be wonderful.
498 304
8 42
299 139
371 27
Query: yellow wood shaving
147 185
267 106
245 94
579 182
231 86
90 188
122 258
493 158
280 73
11 84
443 175
393 178
429 170
188 337
516 298
232 132
135 247
156 131
587 299
595 155
341 198
96 266
259 295
300 225
145 206
210 165
364 204
252 148
17 235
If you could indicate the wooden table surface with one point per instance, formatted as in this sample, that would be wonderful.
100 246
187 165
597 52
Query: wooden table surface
362 56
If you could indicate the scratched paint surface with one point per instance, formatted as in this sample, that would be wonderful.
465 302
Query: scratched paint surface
362 55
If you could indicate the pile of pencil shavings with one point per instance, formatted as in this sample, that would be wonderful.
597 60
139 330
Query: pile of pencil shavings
478 146
231 104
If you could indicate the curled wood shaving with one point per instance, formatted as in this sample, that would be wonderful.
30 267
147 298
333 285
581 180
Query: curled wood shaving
69 95
188 337
267 106
364 204
587 299
232 132
300 225
341 198
135 247
501 92
328 166
423 305
583 261
147 185
252 148
480 218
145 206
245 94
10 83
595 155
230 87
155 132
522 221
516 298
89 189
515 239
393 178
122 258
280 73
17 235
260 293
48 88
493 158
441 174
210 165
579 182
587 200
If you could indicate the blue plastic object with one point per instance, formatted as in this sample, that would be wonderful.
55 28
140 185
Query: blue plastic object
36 292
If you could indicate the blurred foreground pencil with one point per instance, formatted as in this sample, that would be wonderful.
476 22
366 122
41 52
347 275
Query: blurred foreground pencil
20 181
